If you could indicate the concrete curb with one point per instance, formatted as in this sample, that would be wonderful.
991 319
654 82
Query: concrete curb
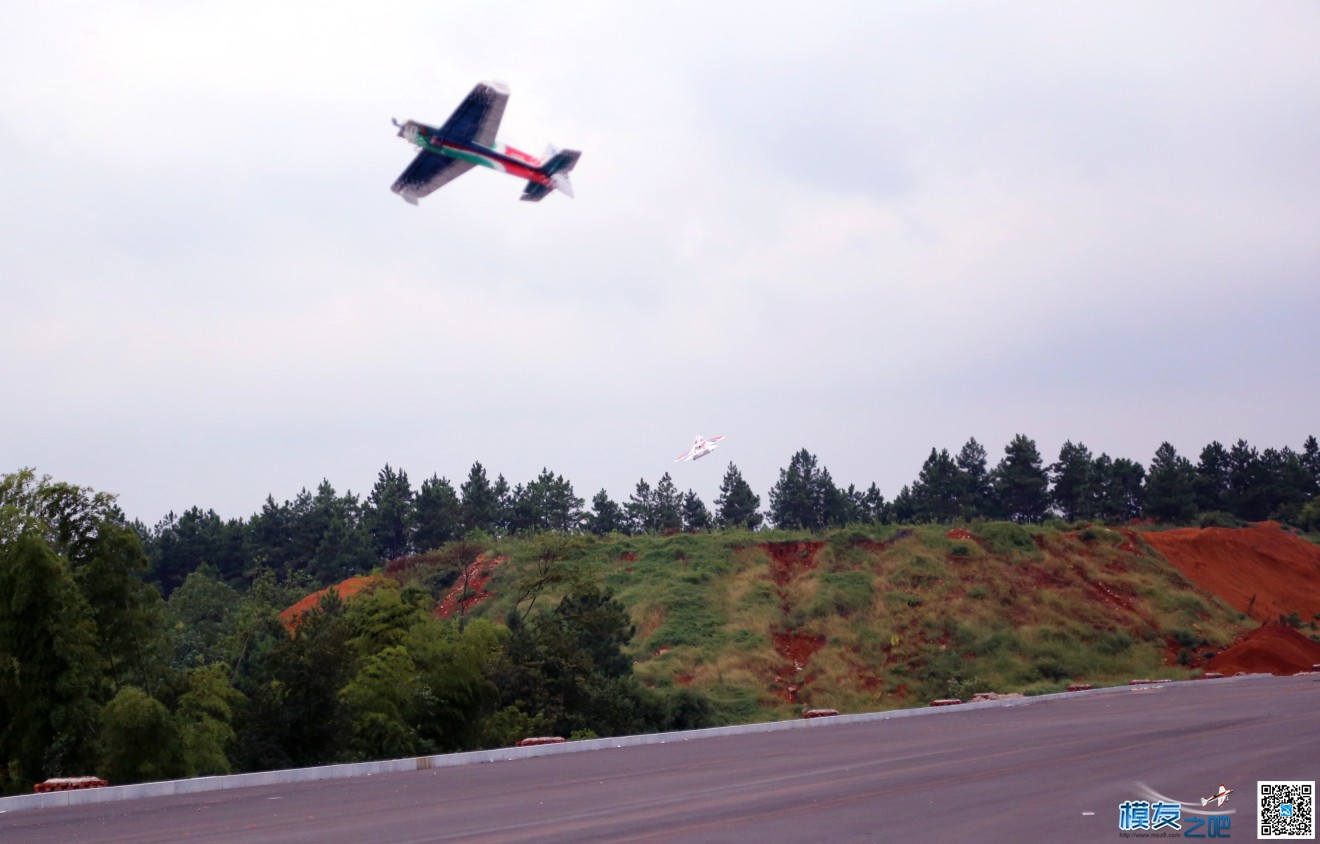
197 785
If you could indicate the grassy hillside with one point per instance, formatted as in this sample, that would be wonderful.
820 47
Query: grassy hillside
766 624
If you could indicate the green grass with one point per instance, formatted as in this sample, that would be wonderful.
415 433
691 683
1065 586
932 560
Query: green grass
907 615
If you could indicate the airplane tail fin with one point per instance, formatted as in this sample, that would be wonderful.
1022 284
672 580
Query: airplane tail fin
557 166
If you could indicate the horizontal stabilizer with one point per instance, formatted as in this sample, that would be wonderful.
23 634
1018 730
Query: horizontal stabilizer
534 192
562 162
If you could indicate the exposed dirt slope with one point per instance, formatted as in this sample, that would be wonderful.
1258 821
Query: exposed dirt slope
1264 562
1270 649
346 589
470 589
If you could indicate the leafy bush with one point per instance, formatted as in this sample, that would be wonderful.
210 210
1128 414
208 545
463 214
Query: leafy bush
1217 518
1006 537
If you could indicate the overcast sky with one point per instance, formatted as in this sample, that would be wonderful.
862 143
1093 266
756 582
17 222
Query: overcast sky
864 229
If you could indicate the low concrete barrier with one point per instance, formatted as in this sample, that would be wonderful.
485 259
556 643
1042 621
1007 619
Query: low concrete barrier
197 785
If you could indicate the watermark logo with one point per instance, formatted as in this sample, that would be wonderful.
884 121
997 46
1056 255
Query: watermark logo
1163 817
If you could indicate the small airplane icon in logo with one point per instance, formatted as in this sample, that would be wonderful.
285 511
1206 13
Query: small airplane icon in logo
1219 797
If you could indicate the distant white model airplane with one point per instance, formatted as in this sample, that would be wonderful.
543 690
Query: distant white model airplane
701 446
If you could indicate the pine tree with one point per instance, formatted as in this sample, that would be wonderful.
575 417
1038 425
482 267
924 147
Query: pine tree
481 504
1170 487
668 505
640 509
1212 473
389 514
1311 462
737 505
1073 491
1118 489
977 492
805 497
438 514
695 515
1021 483
606 516
936 494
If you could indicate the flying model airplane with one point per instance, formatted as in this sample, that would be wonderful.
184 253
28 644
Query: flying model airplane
1219 797
467 139
701 446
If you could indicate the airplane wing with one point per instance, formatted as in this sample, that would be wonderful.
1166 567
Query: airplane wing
428 172
714 439
684 456
478 117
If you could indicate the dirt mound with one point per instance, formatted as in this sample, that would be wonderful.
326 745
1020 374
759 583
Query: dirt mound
1270 649
1261 570
346 589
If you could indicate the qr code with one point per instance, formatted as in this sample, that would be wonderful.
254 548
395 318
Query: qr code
1286 809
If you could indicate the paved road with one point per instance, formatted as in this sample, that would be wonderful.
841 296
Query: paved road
1018 773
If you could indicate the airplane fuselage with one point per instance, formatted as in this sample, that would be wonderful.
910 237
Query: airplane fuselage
500 157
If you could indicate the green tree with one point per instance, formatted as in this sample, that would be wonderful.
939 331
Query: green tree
343 552
1310 459
804 497
200 620
1170 494
142 742
1073 482
270 535
389 514
295 716
903 509
1119 488
737 505
1212 475
204 717
1246 482
695 515
1021 483
481 503
937 493
668 506
179 545
50 680
977 490
606 516
640 509
128 613
439 514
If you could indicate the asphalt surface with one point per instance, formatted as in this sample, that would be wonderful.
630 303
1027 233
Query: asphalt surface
1017 773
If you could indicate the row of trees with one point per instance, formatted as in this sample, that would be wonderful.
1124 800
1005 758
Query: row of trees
330 536
99 674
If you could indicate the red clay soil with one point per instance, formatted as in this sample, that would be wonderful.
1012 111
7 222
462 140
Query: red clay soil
474 578
790 557
1270 649
346 589
1264 562
958 533
797 648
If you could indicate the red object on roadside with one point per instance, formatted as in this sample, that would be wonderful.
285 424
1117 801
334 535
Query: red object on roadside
68 784
532 742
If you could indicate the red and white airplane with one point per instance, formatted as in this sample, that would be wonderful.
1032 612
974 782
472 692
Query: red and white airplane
1219 797
701 446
